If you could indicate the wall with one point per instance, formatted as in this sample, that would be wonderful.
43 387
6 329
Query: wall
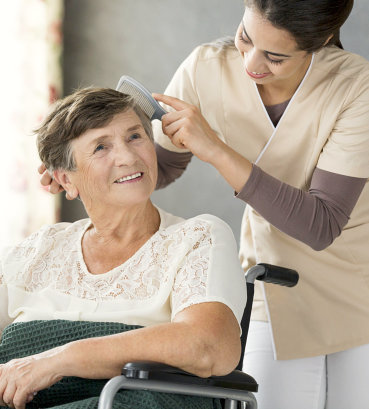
147 40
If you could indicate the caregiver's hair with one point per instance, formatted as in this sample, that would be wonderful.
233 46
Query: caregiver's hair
310 22
70 117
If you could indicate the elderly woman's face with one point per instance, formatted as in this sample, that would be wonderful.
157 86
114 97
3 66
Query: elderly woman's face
116 164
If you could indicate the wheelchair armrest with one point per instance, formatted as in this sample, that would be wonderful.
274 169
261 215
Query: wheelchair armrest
158 371
157 377
272 274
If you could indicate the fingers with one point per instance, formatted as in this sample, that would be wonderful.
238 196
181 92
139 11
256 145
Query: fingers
48 181
31 396
41 169
173 102
20 398
8 395
45 178
180 125
176 133
14 393
55 187
188 116
2 386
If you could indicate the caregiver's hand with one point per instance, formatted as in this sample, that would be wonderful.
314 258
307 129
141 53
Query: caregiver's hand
20 379
187 128
48 181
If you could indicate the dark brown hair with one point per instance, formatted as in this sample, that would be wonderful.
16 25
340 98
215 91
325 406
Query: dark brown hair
311 22
70 117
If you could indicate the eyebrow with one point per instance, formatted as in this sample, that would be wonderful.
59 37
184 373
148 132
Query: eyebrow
265 51
135 127
102 138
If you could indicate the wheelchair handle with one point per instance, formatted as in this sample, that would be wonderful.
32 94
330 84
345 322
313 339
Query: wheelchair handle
272 274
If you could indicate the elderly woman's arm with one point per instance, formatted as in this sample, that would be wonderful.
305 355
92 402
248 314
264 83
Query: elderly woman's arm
202 339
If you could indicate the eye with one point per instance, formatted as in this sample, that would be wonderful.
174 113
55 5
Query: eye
276 62
99 147
243 39
135 136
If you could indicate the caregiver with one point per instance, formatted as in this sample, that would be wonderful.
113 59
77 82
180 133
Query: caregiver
284 118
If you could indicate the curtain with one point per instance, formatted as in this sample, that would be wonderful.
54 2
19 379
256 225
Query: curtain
31 48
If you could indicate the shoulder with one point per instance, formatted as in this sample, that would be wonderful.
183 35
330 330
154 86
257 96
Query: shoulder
342 65
209 56
203 230
47 237
342 61
57 230
212 53
167 219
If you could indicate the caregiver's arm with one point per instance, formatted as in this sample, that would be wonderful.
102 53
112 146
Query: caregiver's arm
315 217
171 165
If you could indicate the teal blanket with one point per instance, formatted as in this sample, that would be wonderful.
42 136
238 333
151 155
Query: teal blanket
27 338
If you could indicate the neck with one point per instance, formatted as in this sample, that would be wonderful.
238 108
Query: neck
115 236
126 225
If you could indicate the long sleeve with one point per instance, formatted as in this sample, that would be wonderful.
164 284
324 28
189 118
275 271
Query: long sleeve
171 165
315 217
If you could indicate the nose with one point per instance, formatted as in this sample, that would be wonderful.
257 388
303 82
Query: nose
124 155
255 61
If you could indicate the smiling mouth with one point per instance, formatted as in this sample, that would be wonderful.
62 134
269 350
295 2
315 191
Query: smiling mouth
257 74
129 177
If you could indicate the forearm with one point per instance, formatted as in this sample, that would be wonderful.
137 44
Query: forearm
197 350
171 165
315 217
234 168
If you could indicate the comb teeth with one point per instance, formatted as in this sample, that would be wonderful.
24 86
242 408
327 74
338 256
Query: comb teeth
139 98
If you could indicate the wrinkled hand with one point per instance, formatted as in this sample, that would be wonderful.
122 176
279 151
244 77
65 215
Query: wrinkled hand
187 128
47 181
20 379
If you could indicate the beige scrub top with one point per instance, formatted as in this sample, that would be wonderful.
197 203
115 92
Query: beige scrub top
325 125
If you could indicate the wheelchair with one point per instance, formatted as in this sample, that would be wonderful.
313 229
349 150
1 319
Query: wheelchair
236 389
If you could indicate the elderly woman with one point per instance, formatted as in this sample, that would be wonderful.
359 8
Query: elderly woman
131 282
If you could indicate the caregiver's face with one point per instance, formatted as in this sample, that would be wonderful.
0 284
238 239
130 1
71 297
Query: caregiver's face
269 53
116 164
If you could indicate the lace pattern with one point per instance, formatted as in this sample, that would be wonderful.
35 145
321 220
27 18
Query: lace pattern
175 260
191 279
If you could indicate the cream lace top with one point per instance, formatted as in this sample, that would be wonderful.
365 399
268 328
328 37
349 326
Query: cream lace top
184 263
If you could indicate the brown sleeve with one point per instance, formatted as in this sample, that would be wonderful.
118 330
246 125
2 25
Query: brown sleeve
315 217
171 165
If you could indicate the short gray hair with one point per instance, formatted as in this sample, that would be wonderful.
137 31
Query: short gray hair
70 117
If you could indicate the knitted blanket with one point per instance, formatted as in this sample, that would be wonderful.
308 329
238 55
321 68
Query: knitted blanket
28 338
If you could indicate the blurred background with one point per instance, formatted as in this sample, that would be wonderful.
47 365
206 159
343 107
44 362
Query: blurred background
51 47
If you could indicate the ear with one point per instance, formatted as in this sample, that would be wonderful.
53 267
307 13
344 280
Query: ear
64 180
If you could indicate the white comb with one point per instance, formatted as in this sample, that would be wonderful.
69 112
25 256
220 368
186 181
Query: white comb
142 96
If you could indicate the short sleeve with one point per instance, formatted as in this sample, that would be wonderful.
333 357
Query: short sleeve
210 271
182 86
347 149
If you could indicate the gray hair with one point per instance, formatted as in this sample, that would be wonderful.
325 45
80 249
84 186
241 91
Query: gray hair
70 117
